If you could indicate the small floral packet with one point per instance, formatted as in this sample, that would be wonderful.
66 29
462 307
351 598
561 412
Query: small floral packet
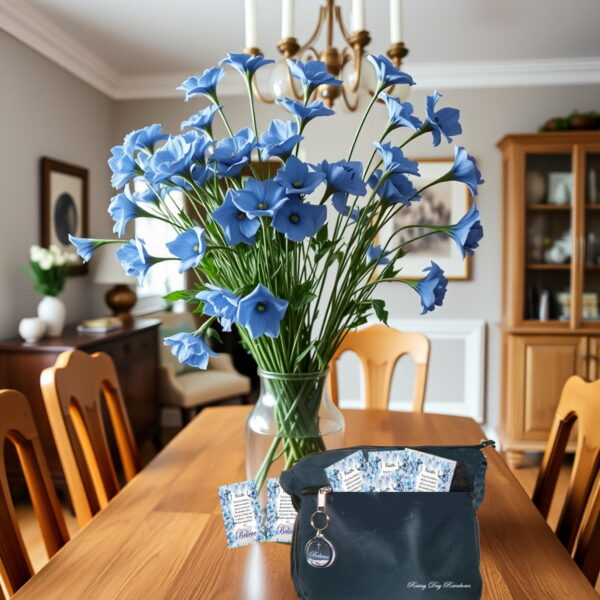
348 474
383 468
425 472
241 513
281 513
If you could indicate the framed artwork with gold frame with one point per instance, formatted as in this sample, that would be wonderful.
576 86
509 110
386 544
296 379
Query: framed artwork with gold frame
442 204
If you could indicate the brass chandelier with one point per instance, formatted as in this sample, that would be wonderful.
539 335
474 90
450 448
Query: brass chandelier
348 63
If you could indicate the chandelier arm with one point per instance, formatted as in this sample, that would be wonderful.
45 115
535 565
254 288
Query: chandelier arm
314 51
338 18
258 94
315 33
351 107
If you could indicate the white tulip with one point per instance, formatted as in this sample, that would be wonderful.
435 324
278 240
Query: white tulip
46 262
35 253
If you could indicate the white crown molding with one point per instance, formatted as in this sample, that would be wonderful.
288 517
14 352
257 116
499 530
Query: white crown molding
31 27
138 87
514 73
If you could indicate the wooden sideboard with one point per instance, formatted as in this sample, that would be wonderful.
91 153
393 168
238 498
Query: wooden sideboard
134 350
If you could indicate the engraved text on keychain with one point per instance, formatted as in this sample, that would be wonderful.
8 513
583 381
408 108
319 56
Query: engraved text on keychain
319 551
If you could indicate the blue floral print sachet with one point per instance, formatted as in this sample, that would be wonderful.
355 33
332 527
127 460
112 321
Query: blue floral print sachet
241 514
281 513
423 472
382 470
348 474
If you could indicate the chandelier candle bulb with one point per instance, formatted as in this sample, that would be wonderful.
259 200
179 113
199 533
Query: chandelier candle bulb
251 7
288 13
396 21
358 15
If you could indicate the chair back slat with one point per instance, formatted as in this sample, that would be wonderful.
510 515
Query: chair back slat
73 391
579 401
17 425
379 348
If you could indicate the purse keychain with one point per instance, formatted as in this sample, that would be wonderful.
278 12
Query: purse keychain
319 551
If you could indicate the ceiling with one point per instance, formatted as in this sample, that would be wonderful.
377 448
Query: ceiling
140 44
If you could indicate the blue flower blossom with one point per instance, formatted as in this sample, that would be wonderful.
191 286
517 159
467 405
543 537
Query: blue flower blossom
375 253
432 288
295 177
246 64
220 303
387 73
190 349
205 84
261 312
312 74
134 258
280 139
85 247
400 114
259 198
343 176
394 160
203 119
122 209
237 226
298 220
173 160
467 232
143 139
307 112
340 203
442 122
123 167
395 188
189 247
233 153
465 170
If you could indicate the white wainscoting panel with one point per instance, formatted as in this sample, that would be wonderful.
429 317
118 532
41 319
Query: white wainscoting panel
456 379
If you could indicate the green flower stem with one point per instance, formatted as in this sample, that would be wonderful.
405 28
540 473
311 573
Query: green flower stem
363 120
215 101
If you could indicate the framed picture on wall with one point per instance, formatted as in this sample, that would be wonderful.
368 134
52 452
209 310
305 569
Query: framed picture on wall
442 204
64 206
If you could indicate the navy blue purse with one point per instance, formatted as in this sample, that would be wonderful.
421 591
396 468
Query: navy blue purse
376 545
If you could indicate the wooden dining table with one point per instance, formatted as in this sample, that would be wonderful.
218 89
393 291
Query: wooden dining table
162 536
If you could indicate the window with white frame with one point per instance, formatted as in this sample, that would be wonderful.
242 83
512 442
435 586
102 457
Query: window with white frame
163 277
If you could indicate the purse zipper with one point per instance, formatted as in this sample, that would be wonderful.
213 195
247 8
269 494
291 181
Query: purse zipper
483 444
315 489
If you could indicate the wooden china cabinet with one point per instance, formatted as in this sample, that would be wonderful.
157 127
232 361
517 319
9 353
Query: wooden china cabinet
550 277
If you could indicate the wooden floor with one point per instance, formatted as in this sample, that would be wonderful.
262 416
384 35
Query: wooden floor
526 476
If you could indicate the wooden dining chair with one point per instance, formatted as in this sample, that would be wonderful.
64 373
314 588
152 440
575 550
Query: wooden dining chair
379 348
579 401
17 425
72 390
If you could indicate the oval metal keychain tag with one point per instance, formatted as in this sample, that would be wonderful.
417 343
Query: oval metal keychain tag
319 551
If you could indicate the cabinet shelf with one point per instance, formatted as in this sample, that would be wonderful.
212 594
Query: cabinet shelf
592 206
548 267
553 207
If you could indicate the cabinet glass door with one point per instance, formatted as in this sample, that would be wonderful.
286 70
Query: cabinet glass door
548 229
591 259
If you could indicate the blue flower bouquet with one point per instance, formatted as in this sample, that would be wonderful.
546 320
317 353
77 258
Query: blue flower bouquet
264 247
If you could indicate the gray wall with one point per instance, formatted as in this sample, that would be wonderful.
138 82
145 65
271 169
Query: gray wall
45 111
487 115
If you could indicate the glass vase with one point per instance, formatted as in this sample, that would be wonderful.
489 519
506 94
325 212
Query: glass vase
293 417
